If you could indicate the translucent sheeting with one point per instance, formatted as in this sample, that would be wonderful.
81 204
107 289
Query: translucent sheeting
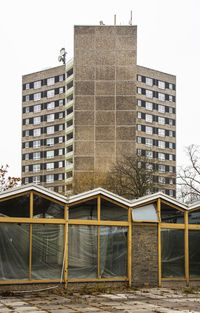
194 253
86 210
82 251
47 251
44 208
16 207
172 242
145 213
113 212
113 251
14 251
171 215
194 217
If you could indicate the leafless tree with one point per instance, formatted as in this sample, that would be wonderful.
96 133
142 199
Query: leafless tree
6 181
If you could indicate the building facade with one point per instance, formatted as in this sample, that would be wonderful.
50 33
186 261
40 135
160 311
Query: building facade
111 107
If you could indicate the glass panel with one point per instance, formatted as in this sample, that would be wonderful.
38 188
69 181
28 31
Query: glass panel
112 212
84 211
14 251
172 245
171 215
194 253
194 217
113 251
145 213
44 208
16 207
82 253
47 251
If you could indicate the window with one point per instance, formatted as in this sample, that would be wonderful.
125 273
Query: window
26 133
27 110
36 132
60 115
36 144
26 121
149 93
149 118
161 156
161 84
61 102
161 168
49 178
170 133
171 110
161 108
60 151
139 127
50 118
37 108
161 120
37 96
37 120
36 168
139 115
50 81
49 166
170 145
139 103
161 96
148 142
27 86
61 78
170 86
149 130
149 154
50 93
161 180
27 98
26 169
60 139
171 181
149 167
51 105
50 130
50 154
139 164
170 98
26 145
170 121
171 193
171 169
139 78
50 142
36 156
36 179
60 164
171 157
149 105
161 132
60 127
139 91
60 188
37 84
61 90
26 156
60 177
26 181
149 81
161 144
139 140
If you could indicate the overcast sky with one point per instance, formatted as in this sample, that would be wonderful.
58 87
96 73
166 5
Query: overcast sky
32 33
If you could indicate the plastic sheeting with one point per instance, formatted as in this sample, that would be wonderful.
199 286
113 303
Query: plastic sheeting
194 253
172 253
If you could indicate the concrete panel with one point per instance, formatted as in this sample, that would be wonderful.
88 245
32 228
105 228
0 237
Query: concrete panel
125 118
84 118
105 148
126 57
84 148
125 42
105 42
104 164
105 103
126 103
84 132
84 57
125 88
125 148
84 103
126 73
83 30
105 30
105 133
105 57
84 72
84 88
125 133
105 118
85 41
105 73
105 88
126 30
82 163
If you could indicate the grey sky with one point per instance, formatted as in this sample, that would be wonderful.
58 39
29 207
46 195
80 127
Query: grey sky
32 33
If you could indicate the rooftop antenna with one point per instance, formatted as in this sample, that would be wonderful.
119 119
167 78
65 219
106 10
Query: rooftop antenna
115 19
130 21
62 56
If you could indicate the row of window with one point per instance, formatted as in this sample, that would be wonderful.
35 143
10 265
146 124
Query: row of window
155 82
43 154
44 106
156 155
45 118
154 106
50 178
35 168
44 94
43 142
149 130
149 142
44 82
154 94
161 168
43 130
154 118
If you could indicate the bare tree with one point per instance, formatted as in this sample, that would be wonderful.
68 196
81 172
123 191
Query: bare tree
6 181
188 177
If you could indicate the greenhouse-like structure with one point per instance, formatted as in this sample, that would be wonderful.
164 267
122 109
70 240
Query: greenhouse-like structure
97 236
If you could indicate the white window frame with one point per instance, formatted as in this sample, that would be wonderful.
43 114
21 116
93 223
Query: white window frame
149 130
50 166
50 118
36 144
36 168
149 105
161 84
37 84
37 120
149 118
37 132
50 81
161 144
37 96
149 93
161 108
50 154
149 81
37 108
50 93
161 132
36 155
161 96
49 178
50 130
161 120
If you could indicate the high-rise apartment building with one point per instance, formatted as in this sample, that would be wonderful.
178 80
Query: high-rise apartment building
81 117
